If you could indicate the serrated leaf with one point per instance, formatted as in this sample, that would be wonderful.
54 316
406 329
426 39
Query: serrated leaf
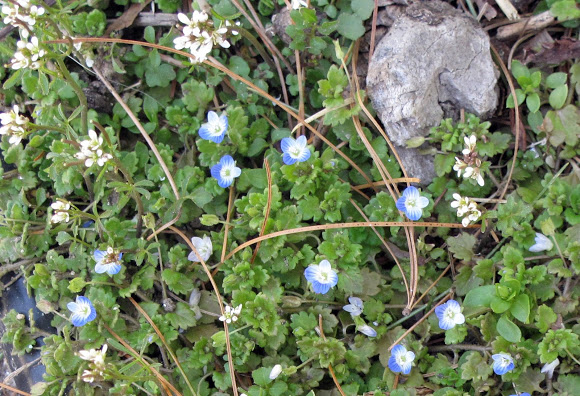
462 246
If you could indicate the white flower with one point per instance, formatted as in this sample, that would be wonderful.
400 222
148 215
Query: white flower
355 307
88 376
461 204
470 143
204 248
297 4
549 368
472 216
367 330
276 370
60 212
27 55
93 143
231 314
474 172
542 243
95 356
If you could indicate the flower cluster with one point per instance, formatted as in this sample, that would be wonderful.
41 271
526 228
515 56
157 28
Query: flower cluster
412 203
231 314
200 35
21 14
470 165
203 246
60 210
82 310
13 125
28 54
466 208
91 151
322 276
108 261
97 359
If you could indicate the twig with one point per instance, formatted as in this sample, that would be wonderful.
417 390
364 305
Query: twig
533 23
268 206
461 347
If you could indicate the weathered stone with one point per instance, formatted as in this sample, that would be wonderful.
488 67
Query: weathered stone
434 61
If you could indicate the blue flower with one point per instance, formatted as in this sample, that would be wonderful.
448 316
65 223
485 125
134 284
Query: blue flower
216 127
367 330
449 315
108 261
411 203
401 360
322 277
502 363
82 310
225 171
295 150
355 307
522 394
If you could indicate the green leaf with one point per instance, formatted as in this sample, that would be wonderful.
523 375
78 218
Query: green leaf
563 125
519 70
350 26
558 97
480 296
149 34
565 10
76 285
508 329
415 142
261 376
363 8
178 283
545 316
455 335
554 80
520 308
533 102
462 246
159 76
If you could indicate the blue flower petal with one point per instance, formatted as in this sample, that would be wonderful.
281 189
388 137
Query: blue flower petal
401 204
310 273
414 213
286 144
393 365
304 155
288 160
320 288
99 255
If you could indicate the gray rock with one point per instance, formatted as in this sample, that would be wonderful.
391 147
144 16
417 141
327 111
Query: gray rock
434 61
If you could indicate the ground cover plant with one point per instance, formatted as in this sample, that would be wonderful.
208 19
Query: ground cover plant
204 209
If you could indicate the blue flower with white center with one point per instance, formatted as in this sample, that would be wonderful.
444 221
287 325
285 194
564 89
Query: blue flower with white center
502 363
322 277
295 150
225 171
412 204
108 261
449 315
355 307
401 360
215 128
82 310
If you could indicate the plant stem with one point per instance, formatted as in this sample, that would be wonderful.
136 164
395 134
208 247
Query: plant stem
80 94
